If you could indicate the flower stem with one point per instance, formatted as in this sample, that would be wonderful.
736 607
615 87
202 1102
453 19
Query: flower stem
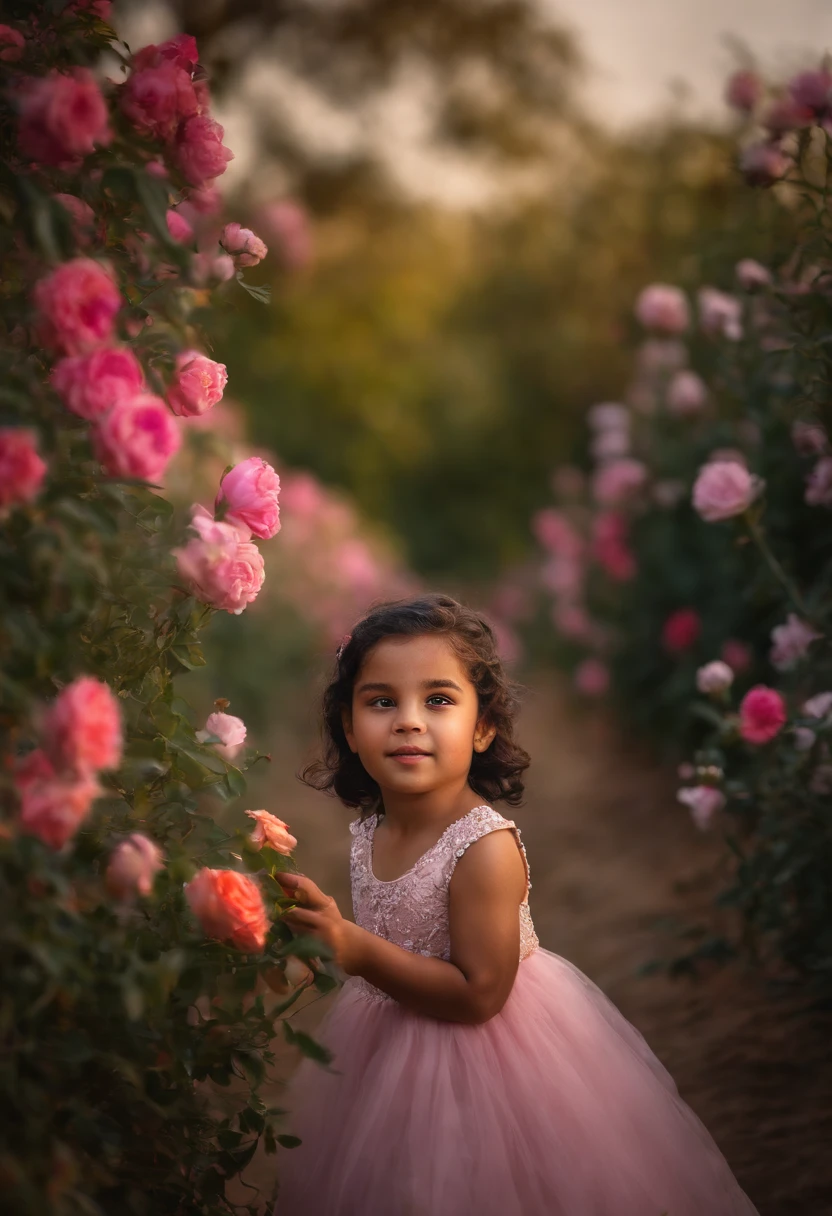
774 565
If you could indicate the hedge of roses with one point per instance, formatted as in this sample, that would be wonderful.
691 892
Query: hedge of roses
689 571
144 959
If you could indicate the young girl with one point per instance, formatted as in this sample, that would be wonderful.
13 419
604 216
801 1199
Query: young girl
474 1073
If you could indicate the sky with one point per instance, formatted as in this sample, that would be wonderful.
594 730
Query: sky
637 48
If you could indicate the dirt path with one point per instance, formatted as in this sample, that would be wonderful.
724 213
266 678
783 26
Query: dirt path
615 865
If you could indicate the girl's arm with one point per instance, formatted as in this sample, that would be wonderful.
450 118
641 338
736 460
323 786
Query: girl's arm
487 886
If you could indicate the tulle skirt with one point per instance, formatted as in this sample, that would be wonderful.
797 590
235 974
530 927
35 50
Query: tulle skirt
555 1107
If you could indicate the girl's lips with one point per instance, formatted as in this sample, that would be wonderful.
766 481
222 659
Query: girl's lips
410 758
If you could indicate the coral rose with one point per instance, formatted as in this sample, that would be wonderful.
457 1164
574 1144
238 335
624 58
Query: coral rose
198 384
246 246
250 491
715 677
791 642
230 731
681 630
77 303
133 865
201 154
54 808
703 801
762 714
223 567
137 438
89 385
724 488
21 469
271 831
663 308
82 728
62 118
229 907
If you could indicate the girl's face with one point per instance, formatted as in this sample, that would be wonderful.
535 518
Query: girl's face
415 716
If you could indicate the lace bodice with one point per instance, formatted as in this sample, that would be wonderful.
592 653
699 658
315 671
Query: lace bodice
412 910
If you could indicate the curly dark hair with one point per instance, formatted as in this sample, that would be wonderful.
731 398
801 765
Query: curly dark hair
496 774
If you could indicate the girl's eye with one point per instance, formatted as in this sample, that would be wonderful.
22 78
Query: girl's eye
441 697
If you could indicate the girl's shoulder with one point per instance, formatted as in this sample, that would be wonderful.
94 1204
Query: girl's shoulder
361 825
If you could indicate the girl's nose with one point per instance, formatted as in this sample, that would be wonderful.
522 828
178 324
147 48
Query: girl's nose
409 718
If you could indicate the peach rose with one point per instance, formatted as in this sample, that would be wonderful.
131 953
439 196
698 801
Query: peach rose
229 907
133 865
82 728
271 831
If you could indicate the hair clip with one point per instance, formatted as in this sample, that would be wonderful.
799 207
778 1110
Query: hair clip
343 644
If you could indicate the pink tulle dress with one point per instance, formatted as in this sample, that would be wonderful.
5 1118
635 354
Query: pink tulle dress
555 1107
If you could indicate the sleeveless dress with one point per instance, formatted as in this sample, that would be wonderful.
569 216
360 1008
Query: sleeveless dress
554 1107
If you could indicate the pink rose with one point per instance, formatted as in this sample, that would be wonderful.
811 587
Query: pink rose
224 568
197 385
201 154
54 808
811 90
271 831
571 621
563 576
230 731
137 438
554 531
661 356
751 275
156 99
592 678
763 164
819 484
208 267
736 654
610 548
791 642
681 630
229 907
82 728
743 90
181 51
11 44
610 444
21 469
178 227
663 308
819 705
89 385
720 315
703 802
714 678
247 248
133 865
609 416
250 491
81 214
809 438
618 481
77 302
724 488
62 118
287 224
686 394
762 714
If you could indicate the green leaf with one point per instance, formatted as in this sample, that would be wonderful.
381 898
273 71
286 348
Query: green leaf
306 1044
261 293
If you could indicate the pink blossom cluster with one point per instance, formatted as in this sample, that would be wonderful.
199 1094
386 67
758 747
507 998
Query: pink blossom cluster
806 101
62 117
81 735
162 100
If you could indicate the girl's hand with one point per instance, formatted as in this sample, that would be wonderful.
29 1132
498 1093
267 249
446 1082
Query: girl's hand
318 915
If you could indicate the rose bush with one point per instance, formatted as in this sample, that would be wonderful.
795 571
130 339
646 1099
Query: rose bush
140 941
710 571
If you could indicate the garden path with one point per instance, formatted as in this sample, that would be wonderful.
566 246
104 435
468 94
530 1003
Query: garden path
617 869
